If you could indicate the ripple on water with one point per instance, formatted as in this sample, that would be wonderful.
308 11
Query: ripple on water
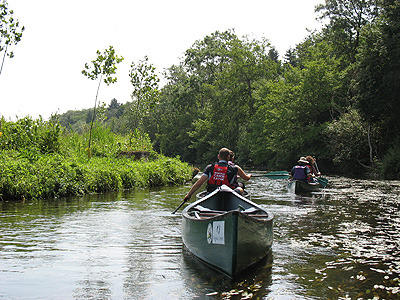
342 242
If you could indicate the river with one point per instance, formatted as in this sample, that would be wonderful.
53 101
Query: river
340 243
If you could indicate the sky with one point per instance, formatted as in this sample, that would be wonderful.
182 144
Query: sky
45 76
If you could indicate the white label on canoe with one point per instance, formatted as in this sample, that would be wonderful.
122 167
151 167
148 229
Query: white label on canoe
218 231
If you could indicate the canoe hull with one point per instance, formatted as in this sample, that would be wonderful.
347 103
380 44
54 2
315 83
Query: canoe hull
230 242
300 187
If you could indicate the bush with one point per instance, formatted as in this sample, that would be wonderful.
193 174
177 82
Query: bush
390 168
40 160
28 134
348 143
55 176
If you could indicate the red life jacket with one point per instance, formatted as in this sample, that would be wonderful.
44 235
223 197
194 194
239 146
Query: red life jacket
311 168
219 176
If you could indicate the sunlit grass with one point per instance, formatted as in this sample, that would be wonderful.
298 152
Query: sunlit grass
40 160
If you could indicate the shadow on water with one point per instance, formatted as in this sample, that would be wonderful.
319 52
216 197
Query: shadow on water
207 282
340 242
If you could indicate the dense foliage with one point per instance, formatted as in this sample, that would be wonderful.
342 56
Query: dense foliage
40 159
335 95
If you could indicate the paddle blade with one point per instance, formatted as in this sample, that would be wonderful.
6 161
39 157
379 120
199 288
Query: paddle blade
323 181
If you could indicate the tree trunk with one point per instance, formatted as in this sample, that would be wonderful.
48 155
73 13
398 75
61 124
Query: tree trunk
4 56
93 117
371 159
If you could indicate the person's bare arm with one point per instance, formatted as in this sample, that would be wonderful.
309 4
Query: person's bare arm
242 174
196 186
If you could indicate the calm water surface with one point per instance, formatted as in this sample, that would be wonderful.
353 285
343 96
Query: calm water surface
340 243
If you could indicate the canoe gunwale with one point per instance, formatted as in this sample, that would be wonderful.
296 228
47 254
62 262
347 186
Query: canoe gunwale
224 188
255 218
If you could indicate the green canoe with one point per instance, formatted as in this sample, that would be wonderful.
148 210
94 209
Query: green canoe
227 231
277 175
300 187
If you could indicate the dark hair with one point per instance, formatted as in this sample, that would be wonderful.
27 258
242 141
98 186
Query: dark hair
231 155
224 153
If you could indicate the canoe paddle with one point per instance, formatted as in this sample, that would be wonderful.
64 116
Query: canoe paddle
274 175
183 202
192 190
323 181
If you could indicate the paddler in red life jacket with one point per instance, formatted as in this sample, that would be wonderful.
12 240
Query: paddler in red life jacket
217 174
301 172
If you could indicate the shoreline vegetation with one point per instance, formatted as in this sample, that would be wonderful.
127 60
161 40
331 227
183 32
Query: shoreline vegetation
334 96
40 159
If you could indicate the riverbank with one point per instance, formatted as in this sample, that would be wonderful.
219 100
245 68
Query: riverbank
41 159
53 176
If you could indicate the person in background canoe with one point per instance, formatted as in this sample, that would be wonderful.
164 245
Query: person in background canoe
239 185
231 159
312 166
217 174
300 171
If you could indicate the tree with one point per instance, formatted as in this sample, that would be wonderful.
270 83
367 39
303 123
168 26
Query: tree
177 109
273 54
105 65
210 95
290 57
346 21
349 138
114 110
145 94
292 110
10 31
377 80
114 104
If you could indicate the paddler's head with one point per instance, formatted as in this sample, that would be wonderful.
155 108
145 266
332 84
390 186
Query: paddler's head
223 154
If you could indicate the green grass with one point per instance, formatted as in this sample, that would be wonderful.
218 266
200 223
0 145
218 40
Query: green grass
41 160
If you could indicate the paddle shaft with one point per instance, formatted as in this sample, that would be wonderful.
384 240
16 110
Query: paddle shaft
316 166
180 205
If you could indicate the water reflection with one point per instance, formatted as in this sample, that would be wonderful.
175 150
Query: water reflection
205 281
340 242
